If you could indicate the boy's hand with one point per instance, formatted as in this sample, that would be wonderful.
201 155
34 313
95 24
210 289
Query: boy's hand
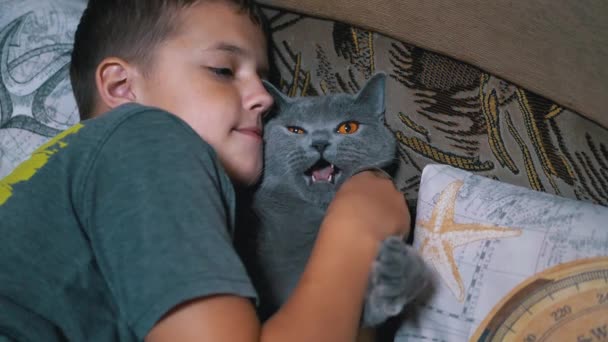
371 201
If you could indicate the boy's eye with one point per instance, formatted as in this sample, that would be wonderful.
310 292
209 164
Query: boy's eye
223 72
296 130
348 127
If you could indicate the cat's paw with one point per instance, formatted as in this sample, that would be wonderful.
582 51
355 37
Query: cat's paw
398 275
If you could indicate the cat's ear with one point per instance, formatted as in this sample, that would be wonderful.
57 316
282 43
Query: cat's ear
372 94
280 99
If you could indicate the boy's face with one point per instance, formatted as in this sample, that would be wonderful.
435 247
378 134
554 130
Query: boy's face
209 74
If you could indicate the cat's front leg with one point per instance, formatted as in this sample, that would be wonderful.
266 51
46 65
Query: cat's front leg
398 275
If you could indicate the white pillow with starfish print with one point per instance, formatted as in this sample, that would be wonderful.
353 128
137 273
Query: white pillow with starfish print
482 238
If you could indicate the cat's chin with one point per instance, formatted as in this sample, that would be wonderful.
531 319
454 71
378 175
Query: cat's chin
320 193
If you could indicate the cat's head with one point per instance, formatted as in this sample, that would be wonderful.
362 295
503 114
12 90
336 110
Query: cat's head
312 144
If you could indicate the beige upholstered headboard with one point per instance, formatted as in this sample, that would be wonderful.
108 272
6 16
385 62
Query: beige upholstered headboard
556 48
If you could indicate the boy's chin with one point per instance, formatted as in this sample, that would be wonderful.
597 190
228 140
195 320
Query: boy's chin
244 171
245 177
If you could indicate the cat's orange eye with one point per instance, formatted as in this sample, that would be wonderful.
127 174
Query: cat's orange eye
296 130
348 127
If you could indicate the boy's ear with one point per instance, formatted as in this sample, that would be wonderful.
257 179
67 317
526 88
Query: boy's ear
280 99
114 78
372 94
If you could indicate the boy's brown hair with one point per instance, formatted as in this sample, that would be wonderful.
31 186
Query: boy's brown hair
127 29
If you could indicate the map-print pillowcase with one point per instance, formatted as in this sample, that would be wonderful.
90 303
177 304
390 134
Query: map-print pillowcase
36 100
482 238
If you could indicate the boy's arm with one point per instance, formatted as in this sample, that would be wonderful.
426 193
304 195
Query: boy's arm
326 303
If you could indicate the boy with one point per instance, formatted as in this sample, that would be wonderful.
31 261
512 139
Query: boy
127 230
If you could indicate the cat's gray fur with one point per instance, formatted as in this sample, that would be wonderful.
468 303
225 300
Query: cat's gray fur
290 207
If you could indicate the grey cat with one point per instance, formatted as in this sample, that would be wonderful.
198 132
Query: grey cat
313 144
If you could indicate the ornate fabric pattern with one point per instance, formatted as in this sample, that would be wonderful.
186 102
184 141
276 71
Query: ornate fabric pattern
36 100
445 111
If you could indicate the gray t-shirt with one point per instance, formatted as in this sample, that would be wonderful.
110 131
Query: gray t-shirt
110 225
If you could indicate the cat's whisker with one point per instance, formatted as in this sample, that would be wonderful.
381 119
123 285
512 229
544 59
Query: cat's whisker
284 174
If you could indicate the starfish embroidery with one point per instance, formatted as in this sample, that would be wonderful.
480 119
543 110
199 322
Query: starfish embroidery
440 235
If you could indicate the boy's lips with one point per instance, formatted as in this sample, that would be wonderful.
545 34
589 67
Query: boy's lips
254 132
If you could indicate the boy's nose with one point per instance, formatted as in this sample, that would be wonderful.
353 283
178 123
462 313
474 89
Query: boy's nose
259 100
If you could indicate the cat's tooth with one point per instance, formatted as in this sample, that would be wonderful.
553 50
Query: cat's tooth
314 180
331 178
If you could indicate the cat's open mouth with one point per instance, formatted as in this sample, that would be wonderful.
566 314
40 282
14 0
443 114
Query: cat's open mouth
322 172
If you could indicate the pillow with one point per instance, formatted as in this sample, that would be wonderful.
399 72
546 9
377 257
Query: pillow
482 238
36 100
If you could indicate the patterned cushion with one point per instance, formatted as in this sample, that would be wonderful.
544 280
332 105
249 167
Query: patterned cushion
444 111
36 100
539 49
482 238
